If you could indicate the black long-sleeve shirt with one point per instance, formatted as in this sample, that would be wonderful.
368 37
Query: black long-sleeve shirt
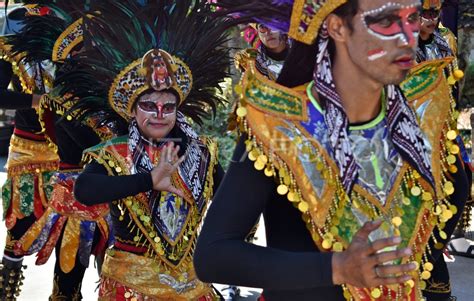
26 118
89 187
72 139
95 186
291 267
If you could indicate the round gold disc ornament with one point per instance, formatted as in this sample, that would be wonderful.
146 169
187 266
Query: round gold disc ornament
327 244
376 293
337 247
451 135
415 191
263 159
303 206
282 189
451 159
259 165
422 285
291 196
425 275
397 221
241 112
268 172
458 74
428 266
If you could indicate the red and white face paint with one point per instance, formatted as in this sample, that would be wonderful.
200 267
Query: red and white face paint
157 108
376 54
156 114
394 21
383 39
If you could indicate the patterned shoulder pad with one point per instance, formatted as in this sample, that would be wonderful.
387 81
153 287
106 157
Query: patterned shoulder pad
424 78
267 96
101 146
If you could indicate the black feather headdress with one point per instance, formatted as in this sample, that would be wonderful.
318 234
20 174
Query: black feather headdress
129 41
51 30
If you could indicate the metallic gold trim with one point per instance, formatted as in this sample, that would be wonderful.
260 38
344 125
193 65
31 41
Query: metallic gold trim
62 47
27 156
314 22
141 273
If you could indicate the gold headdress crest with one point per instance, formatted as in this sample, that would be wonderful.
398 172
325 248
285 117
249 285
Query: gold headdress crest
156 70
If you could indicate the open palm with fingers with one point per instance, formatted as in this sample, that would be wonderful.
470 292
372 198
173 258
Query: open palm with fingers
161 174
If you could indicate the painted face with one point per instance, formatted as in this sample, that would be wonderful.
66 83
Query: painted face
393 21
429 20
384 38
272 39
159 109
156 114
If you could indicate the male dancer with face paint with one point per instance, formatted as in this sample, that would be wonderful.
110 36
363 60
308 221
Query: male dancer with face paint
353 190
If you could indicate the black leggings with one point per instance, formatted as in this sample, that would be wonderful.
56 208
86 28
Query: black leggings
14 234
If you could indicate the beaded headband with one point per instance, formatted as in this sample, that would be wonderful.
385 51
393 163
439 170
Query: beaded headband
70 38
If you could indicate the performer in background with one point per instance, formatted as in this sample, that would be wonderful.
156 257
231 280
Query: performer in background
269 52
438 42
29 157
73 230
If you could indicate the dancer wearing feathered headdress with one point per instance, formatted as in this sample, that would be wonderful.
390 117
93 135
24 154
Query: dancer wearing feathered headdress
155 66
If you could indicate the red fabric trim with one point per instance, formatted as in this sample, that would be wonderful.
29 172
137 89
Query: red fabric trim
100 247
28 135
37 203
66 166
129 248
48 121
10 219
